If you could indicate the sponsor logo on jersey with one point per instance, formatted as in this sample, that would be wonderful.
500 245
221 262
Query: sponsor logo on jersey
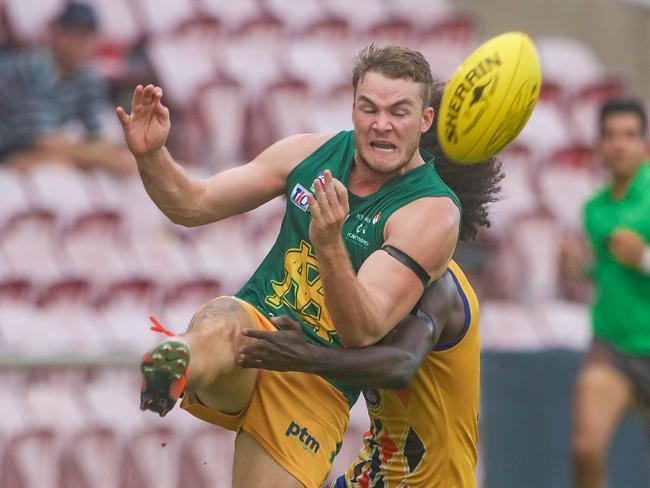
376 218
299 196
301 434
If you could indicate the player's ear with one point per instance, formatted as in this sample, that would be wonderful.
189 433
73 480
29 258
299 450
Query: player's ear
427 119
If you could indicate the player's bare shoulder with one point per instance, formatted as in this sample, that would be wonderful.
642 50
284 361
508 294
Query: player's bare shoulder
287 153
426 229
424 216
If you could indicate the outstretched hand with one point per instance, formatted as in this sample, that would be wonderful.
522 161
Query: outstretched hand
285 350
147 126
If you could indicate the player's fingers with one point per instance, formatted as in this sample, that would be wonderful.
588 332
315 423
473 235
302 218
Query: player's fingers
245 361
159 108
148 94
258 334
286 323
122 115
249 350
314 208
330 191
136 101
321 198
341 193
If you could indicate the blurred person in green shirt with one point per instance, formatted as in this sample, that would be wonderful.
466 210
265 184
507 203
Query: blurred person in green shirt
615 376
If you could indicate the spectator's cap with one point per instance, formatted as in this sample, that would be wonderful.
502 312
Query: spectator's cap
78 16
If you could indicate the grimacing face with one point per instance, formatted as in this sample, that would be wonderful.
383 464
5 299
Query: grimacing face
388 118
622 143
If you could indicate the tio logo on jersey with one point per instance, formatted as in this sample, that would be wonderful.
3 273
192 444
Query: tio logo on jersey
299 196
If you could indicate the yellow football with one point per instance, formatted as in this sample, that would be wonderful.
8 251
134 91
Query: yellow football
489 98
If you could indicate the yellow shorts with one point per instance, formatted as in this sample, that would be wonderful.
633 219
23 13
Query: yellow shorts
298 418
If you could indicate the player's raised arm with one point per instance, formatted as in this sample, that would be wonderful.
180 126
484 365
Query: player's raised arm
190 201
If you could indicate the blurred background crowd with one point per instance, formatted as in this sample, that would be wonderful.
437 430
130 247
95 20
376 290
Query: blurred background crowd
85 256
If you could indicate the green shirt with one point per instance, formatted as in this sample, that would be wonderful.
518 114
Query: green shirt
288 280
621 309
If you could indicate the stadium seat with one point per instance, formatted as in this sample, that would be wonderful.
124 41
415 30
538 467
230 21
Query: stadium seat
16 202
546 132
126 196
332 112
163 258
117 21
286 107
361 14
517 191
443 56
393 31
181 63
28 19
508 326
18 467
535 240
124 325
556 53
65 191
92 458
31 251
253 56
568 324
97 257
207 454
584 108
295 15
455 29
565 183
153 459
13 287
111 399
231 15
315 60
221 111
423 12
215 243
163 16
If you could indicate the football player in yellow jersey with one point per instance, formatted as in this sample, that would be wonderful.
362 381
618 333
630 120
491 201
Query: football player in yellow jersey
421 388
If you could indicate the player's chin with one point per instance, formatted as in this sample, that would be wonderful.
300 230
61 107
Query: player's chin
385 162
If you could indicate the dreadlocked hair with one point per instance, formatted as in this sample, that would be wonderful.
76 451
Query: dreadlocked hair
476 185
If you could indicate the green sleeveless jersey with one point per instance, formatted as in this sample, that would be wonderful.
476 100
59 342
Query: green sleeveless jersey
288 280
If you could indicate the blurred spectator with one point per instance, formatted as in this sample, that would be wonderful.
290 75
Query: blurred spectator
616 372
41 92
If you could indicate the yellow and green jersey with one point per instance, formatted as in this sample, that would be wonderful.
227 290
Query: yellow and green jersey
288 280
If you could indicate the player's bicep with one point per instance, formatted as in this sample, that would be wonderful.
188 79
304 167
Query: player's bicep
240 189
427 231
393 287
